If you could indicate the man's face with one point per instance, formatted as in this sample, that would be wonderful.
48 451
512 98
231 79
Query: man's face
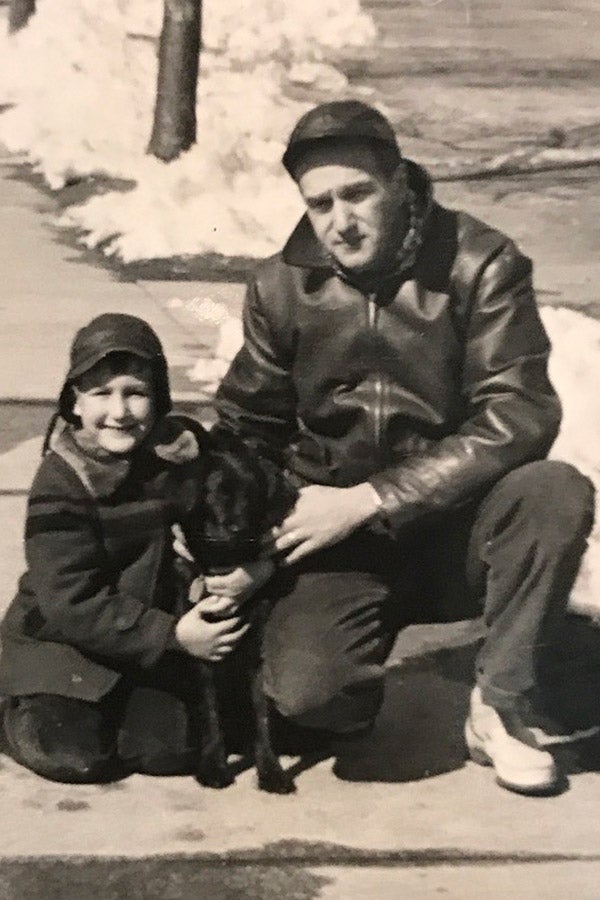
352 205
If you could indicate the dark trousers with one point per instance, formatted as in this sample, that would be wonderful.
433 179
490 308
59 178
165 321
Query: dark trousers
511 558
146 724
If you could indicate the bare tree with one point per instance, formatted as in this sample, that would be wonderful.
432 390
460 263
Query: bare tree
19 13
174 128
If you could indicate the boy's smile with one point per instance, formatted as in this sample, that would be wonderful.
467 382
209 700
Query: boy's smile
116 411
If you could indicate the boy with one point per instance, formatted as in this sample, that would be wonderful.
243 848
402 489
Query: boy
94 653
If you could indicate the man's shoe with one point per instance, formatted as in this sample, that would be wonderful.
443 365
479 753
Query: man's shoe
548 733
506 745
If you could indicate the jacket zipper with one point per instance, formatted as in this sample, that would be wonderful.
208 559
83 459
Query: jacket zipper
373 320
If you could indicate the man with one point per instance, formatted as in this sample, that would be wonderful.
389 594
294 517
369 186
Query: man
393 351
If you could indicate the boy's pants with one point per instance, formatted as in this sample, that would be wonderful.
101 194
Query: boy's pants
512 558
145 724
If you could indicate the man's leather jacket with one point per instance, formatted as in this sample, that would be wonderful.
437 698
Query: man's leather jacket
431 383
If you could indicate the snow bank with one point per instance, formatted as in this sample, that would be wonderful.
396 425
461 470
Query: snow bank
227 194
84 85
574 371
82 90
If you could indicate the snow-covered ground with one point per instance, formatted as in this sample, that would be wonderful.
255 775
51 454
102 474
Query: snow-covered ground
574 366
84 84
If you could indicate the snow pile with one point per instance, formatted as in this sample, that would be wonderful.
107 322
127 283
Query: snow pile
228 194
82 90
209 371
84 86
574 372
250 32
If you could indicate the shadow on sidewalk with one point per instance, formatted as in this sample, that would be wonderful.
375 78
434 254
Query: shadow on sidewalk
419 732
156 878
22 422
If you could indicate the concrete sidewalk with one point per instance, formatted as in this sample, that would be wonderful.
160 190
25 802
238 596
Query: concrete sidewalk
402 815
48 290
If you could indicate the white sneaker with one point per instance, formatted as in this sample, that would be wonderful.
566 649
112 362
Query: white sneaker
551 737
519 764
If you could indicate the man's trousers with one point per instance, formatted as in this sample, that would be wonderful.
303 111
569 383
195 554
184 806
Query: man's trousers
511 558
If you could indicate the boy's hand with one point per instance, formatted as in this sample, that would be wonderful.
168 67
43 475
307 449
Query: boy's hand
211 641
215 607
197 590
240 584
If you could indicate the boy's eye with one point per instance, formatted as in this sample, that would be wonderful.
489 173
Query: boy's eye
137 392
131 392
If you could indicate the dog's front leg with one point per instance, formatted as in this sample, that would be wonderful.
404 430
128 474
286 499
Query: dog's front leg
271 776
213 770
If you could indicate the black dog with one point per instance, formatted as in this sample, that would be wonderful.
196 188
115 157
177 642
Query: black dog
239 491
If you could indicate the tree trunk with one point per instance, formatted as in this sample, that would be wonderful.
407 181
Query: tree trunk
19 13
174 128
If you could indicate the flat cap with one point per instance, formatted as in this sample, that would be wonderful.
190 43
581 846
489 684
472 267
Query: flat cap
344 119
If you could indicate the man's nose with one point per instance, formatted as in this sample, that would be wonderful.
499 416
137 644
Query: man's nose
343 218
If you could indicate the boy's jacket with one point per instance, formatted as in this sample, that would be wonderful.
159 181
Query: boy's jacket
99 597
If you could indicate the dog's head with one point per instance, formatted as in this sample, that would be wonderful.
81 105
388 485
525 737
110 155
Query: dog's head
243 492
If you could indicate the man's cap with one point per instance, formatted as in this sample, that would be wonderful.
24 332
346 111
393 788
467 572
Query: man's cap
344 119
116 333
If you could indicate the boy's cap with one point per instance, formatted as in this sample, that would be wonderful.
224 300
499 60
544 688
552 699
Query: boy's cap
112 333
344 119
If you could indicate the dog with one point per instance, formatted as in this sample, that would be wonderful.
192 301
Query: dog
239 491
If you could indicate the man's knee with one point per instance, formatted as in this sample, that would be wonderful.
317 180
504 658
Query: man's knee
318 699
554 497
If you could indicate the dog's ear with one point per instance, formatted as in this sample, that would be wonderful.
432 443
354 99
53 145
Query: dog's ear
179 439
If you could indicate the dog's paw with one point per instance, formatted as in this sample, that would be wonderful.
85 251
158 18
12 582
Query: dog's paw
214 776
276 781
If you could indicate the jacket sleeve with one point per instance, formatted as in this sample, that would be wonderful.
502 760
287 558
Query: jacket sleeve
257 397
512 411
71 578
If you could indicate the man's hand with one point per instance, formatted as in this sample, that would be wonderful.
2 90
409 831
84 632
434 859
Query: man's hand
211 641
321 517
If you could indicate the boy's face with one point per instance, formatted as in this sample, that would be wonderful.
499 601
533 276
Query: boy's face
117 409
